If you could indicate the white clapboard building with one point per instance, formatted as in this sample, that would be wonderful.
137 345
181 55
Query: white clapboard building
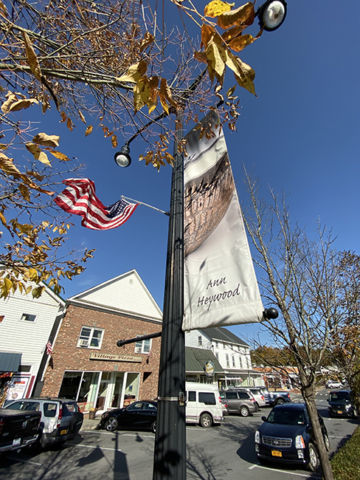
28 329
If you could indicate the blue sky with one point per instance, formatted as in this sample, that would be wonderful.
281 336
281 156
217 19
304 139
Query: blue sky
301 136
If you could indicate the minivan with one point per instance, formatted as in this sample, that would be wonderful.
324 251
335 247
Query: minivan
203 404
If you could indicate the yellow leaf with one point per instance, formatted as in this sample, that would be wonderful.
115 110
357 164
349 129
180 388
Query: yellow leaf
88 130
70 124
146 41
32 58
233 33
38 153
82 118
206 34
7 286
3 8
163 103
114 141
33 274
216 8
165 91
243 15
3 219
216 55
63 117
7 165
28 289
134 73
22 104
242 41
24 192
46 140
59 155
200 57
245 77
153 93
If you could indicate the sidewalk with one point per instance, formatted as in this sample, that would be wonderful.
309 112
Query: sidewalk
90 424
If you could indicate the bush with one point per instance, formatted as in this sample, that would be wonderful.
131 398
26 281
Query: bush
346 462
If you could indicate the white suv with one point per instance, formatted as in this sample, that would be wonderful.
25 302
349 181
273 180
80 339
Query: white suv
60 421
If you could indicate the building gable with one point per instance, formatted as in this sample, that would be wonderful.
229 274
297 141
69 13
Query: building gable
126 294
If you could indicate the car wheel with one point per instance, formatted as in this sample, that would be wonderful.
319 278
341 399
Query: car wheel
206 420
279 401
153 427
313 463
327 442
244 412
111 424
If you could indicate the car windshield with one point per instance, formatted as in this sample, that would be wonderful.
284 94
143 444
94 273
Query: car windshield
339 396
286 417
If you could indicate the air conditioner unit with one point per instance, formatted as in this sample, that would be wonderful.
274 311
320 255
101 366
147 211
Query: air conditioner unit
84 343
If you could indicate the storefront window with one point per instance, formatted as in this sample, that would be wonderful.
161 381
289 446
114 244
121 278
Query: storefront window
132 387
70 385
88 388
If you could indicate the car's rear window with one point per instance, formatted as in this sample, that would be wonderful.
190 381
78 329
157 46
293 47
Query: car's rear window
50 410
69 408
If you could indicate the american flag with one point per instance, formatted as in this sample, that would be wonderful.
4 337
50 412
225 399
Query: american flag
79 198
49 348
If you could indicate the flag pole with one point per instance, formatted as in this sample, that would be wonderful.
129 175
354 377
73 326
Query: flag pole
145 205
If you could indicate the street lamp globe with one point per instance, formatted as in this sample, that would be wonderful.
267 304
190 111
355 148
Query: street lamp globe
272 14
123 158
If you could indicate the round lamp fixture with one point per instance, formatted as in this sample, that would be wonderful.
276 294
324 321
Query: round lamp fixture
123 158
270 313
272 14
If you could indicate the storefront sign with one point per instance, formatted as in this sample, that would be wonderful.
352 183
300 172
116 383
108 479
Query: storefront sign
209 369
115 358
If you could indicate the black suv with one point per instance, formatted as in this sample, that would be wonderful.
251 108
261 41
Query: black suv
60 421
342 404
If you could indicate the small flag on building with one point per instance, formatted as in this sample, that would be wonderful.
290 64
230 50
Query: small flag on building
49 348
79 199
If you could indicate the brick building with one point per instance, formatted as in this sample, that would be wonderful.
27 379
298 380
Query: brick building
87 365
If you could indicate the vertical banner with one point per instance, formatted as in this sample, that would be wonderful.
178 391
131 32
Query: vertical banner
220 283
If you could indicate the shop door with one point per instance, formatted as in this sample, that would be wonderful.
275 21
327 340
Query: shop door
103 390
116 398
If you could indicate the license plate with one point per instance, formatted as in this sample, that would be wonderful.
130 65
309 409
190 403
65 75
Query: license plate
63 432
339 412
17 441
276 453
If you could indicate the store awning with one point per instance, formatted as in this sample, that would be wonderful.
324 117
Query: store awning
196 359
9 362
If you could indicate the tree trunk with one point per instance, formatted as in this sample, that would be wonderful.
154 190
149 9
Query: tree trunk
308 393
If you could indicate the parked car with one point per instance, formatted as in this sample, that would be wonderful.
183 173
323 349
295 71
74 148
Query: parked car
259 397
266 394
286 436
239 402
139 415
18 429
278 398
204 405
333 384
342 404
60 421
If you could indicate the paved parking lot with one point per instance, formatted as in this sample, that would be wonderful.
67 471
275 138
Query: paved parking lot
219 453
